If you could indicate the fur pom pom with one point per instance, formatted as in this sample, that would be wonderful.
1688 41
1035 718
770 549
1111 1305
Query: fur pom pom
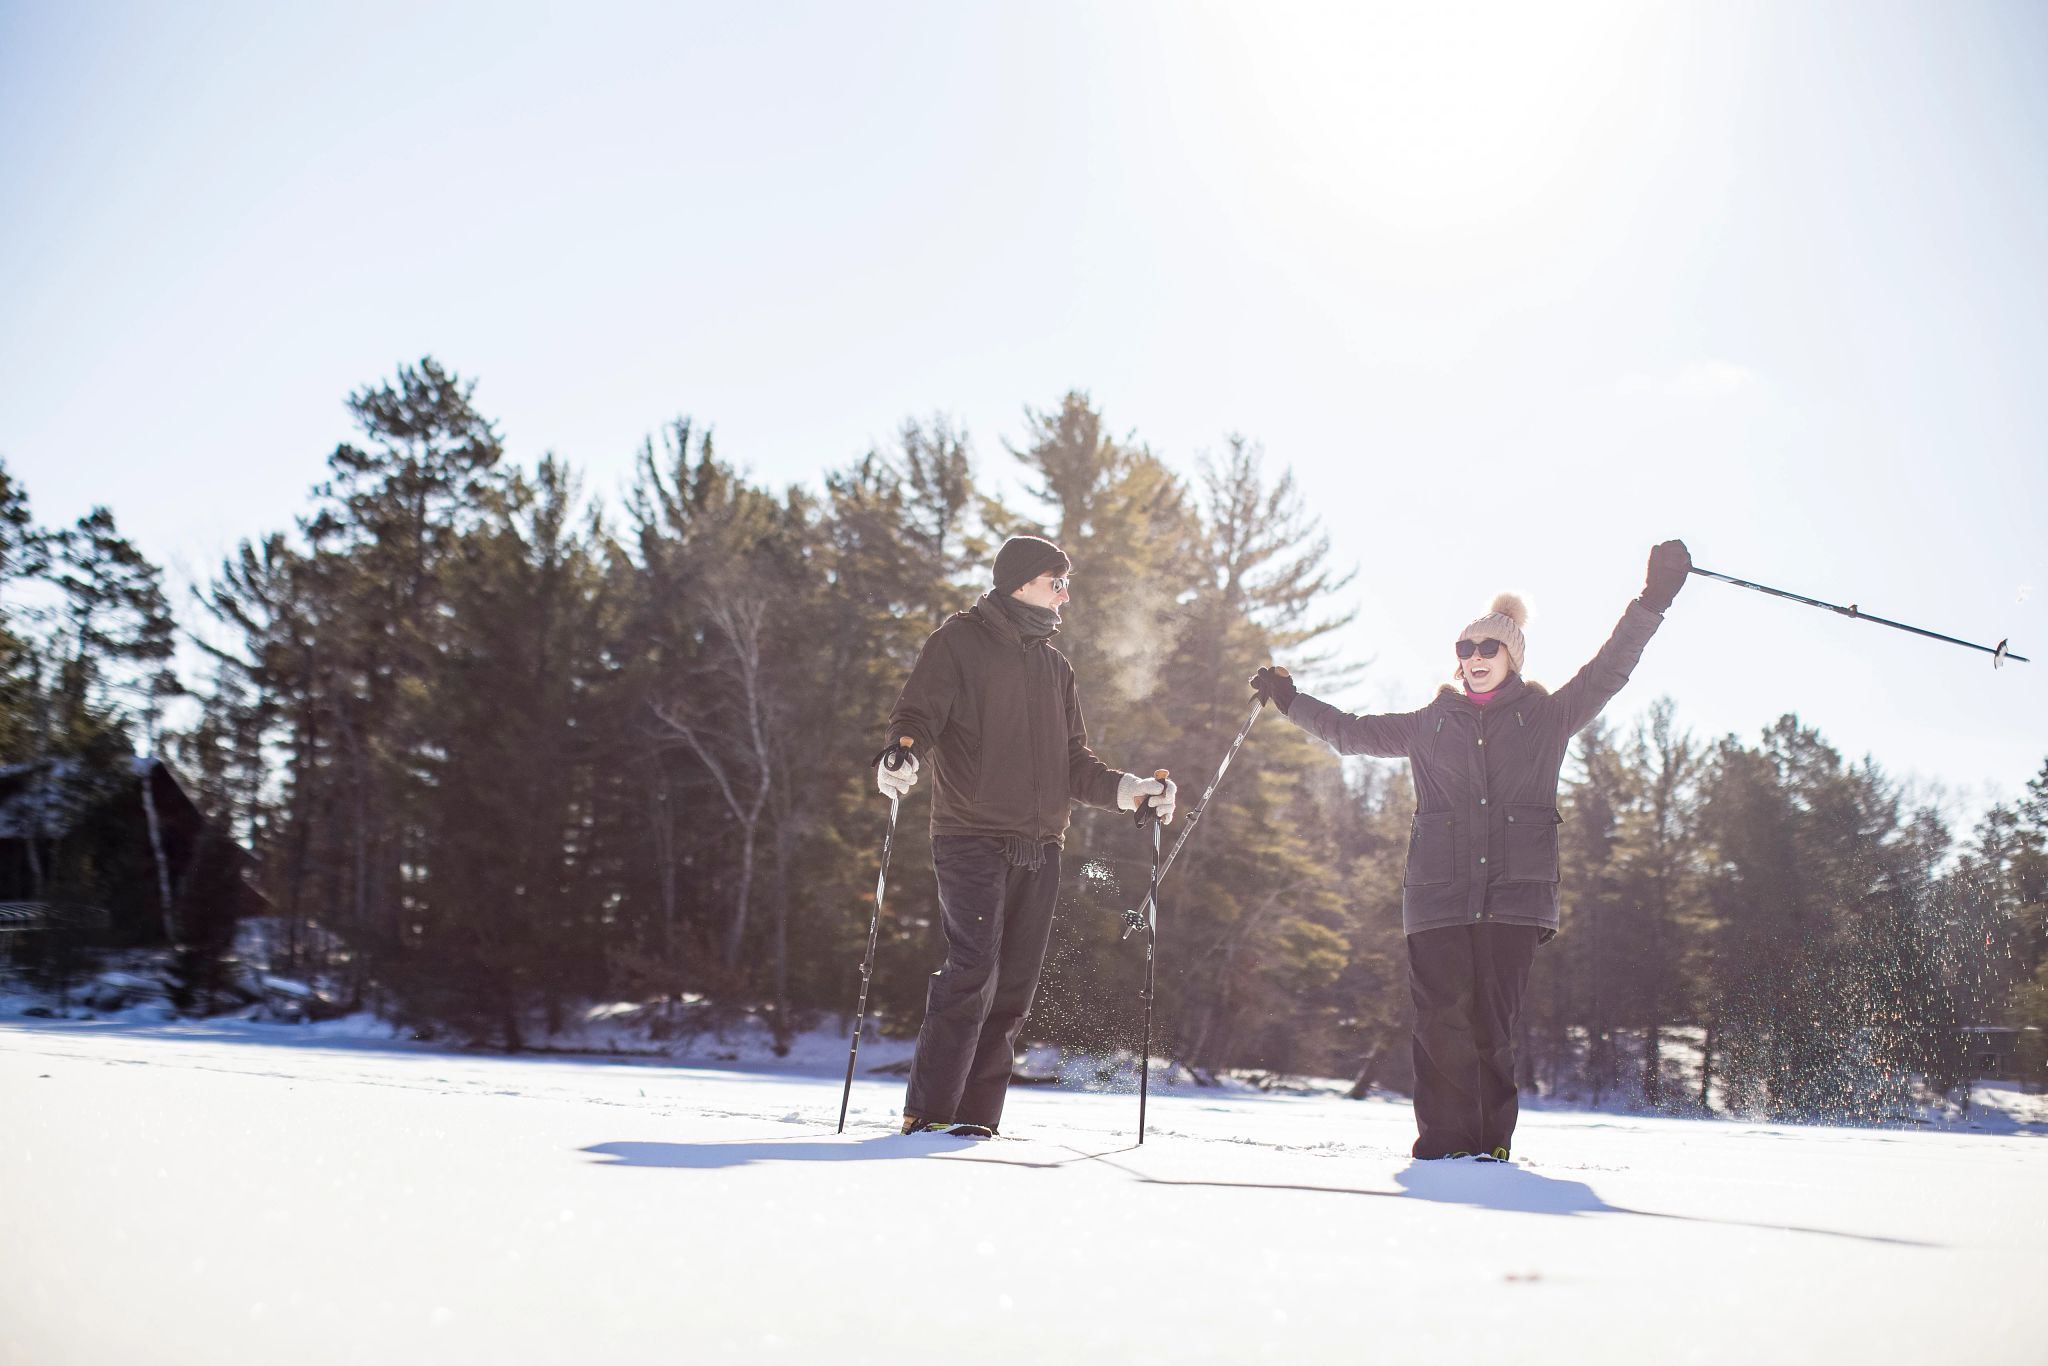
1513 608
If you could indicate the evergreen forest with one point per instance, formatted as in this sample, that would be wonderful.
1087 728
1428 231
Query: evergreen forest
501 752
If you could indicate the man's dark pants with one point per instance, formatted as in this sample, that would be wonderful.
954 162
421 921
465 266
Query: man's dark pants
1468 982
998 920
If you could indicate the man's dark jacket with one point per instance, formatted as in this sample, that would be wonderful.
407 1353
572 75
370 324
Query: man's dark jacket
998 727
1483 846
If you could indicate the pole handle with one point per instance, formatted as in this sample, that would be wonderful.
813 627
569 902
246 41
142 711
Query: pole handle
1144 815
1281 671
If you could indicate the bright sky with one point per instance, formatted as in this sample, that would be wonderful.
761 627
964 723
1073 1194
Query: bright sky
1515 291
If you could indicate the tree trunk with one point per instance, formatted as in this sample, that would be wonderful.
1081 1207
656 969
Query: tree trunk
156 852
1368 1071
39 788
1707 1068
1653 1066
736 929
783 1028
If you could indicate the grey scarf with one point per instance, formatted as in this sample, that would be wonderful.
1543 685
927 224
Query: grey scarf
1033 623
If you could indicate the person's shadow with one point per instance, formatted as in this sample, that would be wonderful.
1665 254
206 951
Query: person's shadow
1500 1185
1488 1185
1485 1185
1506 1186
887 1147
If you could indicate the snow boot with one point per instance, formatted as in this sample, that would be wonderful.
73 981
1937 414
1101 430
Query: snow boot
912 1124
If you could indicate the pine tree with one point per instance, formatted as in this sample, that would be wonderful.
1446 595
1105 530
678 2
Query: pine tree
1123 519
340 639
1829 985
274 690
24 556
510 918
1582 980
1658 864
387 524
1265 912
2029 1009
721 570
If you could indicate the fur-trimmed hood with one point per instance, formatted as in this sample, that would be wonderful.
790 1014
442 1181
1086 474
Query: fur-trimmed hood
1516 687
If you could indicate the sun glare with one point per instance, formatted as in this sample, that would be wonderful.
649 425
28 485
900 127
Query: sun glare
1431 117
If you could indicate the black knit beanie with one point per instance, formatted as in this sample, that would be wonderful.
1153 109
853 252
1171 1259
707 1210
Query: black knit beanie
1024 558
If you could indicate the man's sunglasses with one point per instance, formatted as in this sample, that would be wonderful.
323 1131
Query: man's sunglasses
1485 649
1059 585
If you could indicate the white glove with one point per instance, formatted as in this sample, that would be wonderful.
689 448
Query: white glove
1160 791
895 783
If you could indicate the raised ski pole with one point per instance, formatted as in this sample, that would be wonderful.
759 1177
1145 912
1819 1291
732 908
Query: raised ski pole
1195 815
1133 921
1148 816
1999 653
891 759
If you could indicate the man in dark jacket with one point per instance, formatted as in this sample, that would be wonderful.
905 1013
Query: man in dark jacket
992 708
1481 886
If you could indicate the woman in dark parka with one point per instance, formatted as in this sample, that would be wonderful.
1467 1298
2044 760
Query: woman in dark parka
1481 887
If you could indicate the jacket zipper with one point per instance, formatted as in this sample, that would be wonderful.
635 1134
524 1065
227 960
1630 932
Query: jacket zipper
1483 823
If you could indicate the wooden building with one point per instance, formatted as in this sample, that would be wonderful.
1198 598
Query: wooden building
119 854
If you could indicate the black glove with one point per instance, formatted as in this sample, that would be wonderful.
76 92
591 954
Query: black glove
1670 563
1273 684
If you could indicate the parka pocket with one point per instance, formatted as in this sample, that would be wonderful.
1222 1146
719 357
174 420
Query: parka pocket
1430 856
1531 843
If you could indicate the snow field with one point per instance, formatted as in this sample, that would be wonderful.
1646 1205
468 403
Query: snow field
178 1194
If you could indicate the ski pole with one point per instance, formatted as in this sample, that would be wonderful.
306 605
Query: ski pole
892 760
1195 815
1148 921
1148 816
1132 920
1999 653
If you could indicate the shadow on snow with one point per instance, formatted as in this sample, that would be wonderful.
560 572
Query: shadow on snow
1497 1186
888 1147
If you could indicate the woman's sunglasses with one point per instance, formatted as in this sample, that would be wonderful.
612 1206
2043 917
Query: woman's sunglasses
1485 649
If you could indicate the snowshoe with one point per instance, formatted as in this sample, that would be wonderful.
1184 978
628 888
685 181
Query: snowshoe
1496 1155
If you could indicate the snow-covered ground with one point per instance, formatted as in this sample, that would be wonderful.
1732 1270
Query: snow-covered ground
226 1193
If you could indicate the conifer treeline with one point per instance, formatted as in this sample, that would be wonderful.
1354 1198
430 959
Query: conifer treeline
503 754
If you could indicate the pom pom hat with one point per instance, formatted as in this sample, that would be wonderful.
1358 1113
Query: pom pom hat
1503 622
